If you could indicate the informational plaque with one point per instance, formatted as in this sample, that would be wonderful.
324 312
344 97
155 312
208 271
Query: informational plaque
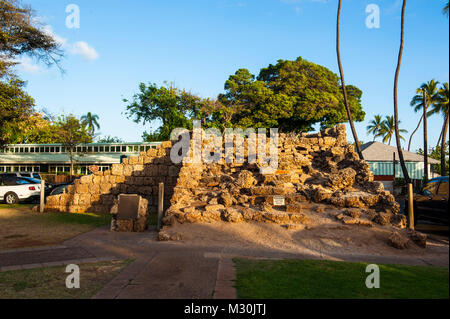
278 201
128 206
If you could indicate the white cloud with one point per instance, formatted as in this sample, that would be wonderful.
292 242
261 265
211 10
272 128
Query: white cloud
28 66
82 48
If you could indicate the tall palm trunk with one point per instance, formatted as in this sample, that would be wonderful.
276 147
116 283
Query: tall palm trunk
397 71
344 89
440 136
425 136
414 132
444 135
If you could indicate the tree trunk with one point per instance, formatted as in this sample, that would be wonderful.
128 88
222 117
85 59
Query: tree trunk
425 136
444 134
440 136
410 138
344 89
397 71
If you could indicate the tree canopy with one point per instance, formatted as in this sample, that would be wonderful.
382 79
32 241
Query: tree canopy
290 95
20 34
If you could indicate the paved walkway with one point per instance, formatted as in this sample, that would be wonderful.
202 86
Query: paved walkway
166 269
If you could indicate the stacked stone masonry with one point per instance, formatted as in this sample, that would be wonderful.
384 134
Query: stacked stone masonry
320 167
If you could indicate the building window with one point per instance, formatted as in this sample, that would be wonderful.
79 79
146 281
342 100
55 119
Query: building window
95 149
124 149
101 149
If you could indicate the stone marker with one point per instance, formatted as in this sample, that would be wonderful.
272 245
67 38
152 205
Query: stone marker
132 214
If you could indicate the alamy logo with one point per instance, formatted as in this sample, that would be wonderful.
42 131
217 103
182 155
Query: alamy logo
373 19
73 19
373 280
73 280
205 146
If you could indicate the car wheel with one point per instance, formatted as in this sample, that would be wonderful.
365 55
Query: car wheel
11 198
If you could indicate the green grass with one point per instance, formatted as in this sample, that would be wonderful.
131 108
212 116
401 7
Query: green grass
297 279
96 220
6 206
49 283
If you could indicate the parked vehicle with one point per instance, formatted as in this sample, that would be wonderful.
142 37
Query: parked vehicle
431 204
14 189
24 174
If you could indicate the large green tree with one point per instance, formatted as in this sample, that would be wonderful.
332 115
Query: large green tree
16 106
168 108
20 34
290 95
71 132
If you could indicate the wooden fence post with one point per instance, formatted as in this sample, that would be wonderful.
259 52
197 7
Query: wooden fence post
42 200
411 206
160 205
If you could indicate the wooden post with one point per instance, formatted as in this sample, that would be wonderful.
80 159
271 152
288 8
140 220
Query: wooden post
42 201
411 206
160 204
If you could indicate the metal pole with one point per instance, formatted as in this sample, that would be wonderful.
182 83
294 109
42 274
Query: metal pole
42 201
160 204
410 206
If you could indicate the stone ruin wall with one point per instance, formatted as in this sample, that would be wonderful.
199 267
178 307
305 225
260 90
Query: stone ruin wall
320 167
97 193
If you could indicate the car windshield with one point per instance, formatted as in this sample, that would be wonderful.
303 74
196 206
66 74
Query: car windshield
36 175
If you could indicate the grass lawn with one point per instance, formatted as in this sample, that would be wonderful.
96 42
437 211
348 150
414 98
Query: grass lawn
297 279
23 228
50 283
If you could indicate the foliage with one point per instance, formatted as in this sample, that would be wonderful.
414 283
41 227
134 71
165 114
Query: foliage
291 95
170 106
20 34
435 153
91 122
374 126
15 107
387 130
109 139
71 131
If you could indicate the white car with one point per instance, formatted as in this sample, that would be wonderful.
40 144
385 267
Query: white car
16 189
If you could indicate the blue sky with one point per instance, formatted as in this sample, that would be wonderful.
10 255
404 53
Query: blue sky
197 44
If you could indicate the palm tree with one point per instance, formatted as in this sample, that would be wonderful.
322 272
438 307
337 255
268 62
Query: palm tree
387 130
374 126
344 89
90 120
441 107
445 10
432 94
397 71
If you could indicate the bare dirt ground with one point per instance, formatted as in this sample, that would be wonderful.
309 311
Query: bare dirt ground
324 236
20 227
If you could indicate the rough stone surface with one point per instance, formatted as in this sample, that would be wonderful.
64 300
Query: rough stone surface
320 167
398 241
